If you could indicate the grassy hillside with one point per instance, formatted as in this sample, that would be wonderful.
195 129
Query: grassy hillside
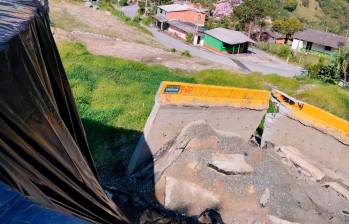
115 96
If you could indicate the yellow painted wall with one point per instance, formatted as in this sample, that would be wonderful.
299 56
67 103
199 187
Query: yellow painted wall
317 117
197 94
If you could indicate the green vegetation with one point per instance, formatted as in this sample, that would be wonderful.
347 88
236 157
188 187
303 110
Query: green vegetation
186 53
115 96
287 26
189 38
285 52
337 70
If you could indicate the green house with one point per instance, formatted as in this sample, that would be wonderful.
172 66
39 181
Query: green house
226 41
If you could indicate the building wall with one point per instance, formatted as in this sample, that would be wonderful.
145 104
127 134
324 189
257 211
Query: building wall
214 43
237 48
187 16
177 32
297 44
198 41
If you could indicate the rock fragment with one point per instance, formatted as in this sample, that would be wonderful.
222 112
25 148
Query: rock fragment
230 164
264 198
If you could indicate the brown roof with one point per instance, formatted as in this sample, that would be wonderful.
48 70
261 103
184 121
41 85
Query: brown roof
273 33
322 38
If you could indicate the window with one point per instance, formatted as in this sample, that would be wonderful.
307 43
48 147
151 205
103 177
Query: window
327 48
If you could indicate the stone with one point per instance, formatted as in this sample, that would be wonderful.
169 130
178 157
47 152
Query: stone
264 198
191 197
230 164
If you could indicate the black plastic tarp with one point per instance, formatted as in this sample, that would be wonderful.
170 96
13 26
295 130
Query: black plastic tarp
43 148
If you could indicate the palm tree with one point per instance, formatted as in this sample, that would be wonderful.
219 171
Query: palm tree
342 63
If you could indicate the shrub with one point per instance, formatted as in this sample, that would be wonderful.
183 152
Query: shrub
327 73
122 2
147 21
186 54
173 50
189 38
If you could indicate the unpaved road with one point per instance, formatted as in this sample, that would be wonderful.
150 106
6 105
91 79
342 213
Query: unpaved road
104 34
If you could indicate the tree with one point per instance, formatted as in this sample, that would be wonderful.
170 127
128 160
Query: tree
252 12
342 63
287 26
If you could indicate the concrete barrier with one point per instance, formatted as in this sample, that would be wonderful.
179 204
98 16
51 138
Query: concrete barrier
318 135
232 110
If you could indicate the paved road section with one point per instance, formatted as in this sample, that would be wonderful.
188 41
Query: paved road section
256 61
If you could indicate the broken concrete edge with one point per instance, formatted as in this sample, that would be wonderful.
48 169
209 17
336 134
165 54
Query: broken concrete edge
230 164
341 190
294 156
176 93
311 116
137 156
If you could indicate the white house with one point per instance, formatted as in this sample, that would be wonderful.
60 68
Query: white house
316 40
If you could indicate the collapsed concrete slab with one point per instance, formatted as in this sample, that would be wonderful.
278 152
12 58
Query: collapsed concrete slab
188 184
319 136
229 110
197 151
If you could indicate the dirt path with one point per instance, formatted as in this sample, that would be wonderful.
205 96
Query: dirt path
104 34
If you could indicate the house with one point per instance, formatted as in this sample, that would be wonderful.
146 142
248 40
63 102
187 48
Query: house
269 35
223 40
182 29
180 12
181 20
316 40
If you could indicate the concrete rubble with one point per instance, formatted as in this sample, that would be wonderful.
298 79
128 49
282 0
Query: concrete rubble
253 184
207 157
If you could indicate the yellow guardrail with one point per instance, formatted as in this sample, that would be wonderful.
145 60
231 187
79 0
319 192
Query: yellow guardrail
206 95
317 117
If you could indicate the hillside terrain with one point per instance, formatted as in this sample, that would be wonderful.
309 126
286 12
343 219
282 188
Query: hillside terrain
330 15
326 15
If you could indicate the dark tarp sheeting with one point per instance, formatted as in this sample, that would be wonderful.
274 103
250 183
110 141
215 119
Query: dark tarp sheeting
43 148
16 209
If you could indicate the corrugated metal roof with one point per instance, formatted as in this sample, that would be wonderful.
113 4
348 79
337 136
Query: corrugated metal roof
180 7
322 38
175 7
185 26
229 36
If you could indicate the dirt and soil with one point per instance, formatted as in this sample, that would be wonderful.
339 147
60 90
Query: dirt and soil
105 34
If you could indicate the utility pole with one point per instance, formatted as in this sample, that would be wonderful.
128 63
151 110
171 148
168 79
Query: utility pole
145 7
